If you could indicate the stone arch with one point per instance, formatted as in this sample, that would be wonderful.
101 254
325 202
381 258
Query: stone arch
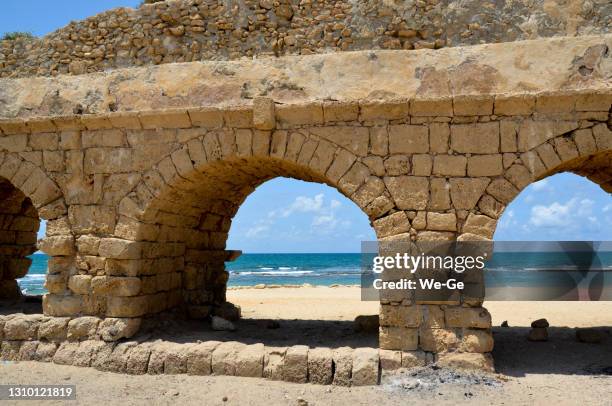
172 228
27 195
543 149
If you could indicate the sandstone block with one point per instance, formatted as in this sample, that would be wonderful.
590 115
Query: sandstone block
166 119
472 105
392 224
519 176
273 362
343 362
117 360
88 245
27 351
295 364
354 139
390 360
45 351
398 338
400 316
263 113
441 221
199 359
176 358
86 352
476 341
335 111
82 328
439 134
120 249
299 114
320 366
224 358
414 359
409 192
365 367
65 354
502 190
421 165
485 165
249 361
57 305
10 350
138 359
449 165
514 105
122 286
479 138
79 284
371 111
466 361
408 139
437 339
480 225
22 327
113 329
585 141
53 329
57 245
465 192
206 117
431 107
467 317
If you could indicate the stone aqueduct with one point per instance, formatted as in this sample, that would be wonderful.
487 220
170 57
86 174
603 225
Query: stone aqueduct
139 171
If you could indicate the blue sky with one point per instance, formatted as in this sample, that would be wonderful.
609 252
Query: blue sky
561 207
286 215
41 17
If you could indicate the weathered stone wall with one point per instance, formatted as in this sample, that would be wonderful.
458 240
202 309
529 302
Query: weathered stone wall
193 30
148 205
101 344
18 233
139 200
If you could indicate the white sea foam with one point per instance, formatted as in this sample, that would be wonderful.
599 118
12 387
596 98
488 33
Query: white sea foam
274 273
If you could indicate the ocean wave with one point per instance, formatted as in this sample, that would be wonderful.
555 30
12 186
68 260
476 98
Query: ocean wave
272 273
33 277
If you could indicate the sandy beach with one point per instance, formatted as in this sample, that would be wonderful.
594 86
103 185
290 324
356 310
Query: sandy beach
343 303
561 371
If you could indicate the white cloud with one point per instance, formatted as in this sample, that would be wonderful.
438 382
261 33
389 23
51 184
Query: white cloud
550 216
257 231
607 208
540 185
326 220
305 204
568 215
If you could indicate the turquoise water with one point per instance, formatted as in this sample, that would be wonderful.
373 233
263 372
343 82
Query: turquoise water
345 269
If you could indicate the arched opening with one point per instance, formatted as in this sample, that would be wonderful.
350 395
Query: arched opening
300 266
19 225
571 203
187 212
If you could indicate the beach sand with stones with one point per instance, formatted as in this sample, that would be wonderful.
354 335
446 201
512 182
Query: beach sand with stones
559 371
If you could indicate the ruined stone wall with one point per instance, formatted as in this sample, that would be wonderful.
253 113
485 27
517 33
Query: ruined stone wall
19 224
148 198
431 145
101 344
193 30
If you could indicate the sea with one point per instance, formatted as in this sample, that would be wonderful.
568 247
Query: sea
504 269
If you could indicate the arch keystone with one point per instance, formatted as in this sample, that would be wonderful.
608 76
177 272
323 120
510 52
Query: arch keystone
264 113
